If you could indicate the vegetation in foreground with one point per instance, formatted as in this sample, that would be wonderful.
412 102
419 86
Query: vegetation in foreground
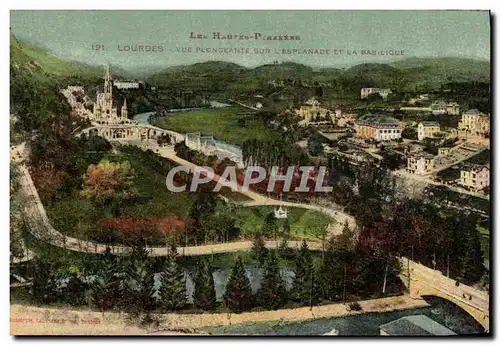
139 284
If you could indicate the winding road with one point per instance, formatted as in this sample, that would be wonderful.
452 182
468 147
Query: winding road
41 228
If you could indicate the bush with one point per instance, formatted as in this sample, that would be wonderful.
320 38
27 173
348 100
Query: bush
355 306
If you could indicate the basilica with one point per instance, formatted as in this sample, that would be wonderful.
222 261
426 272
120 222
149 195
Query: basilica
104 111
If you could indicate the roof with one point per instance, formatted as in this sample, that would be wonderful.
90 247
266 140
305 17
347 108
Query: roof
415 325
473 112
430 124
376 119
475 168
422 154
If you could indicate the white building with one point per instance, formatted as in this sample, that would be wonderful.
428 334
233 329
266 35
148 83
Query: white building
427 129
366 91
420 164
125 85
475 177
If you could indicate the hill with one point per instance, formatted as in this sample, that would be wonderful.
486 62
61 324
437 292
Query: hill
35 80
407 75
425 72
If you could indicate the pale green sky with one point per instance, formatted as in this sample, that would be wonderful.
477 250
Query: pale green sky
70 34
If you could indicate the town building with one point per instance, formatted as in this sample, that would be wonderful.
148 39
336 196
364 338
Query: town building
311 109
444 151
475 177
104 111
423 98
415 325
420 164
439 107
126 85
474 123
377 127
341 119
345 120
367 91
453 108
427 129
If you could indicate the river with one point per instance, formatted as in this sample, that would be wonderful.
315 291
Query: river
439 310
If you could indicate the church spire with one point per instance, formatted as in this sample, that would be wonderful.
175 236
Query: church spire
108 87
107 75
124 110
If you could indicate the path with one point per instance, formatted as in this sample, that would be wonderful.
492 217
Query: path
29 320
40 227
243 105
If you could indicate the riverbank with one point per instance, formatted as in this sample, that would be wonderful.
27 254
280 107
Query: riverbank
31 320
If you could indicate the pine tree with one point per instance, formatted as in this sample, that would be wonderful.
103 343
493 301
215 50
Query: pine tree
106 290
284 250
138 286
146 289
259 250
472 260
272 293
43 287
324 288
173 286
204 290
286 227
238 290
270 227
304 274
74 293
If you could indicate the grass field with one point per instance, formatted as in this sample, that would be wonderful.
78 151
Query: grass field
303 223
222 122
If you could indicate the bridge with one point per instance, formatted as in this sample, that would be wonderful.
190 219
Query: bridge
124 132
423 281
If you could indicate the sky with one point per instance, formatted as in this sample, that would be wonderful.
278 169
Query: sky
348 36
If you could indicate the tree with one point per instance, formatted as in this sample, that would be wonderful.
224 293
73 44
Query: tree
270 226
238 291
173 285
109 182
315 145
472 261
272 293
43 287
304 272
201 215
74 292
259 250
139 288
106 289
286 227
204 287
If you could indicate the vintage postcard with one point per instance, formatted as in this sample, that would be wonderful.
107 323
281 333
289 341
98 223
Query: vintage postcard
309 173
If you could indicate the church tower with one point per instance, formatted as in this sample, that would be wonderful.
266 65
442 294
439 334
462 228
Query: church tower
124 111
108 86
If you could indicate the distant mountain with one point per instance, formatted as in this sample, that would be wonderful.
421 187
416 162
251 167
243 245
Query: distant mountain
411 74
34 59
445 70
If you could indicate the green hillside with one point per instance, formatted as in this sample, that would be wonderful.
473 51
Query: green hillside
408 75
35 79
